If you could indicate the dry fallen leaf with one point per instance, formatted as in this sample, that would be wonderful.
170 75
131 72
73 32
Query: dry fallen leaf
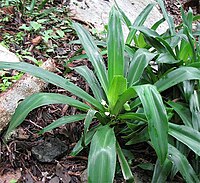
36 40
8 10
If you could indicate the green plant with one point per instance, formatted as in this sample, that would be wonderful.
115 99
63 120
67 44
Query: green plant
126 99
25 7
6 81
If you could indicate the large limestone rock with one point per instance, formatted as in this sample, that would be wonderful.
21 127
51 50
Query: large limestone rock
96 12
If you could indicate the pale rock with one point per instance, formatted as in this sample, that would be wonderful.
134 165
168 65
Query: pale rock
96 12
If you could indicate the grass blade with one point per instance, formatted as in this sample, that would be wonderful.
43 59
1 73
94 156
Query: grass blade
102 156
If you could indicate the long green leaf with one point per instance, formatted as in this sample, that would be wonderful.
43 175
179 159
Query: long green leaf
139 62
195 110
182 165
187 136
92 81
117 87
157 119
161 171
88 119
153 34
115 46
93 55
133 116
88 137
125 18
52 78
37 100
126 171
139 21
183 112
126 96
167 17
138 137
62 121
177 76
102 156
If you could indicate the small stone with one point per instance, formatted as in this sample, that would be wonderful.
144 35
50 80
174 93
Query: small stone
49 150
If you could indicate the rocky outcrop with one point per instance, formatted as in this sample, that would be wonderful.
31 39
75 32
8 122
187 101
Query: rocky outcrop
95 13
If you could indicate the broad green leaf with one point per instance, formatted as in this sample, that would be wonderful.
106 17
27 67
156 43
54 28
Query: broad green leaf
177 76
123 98
117 87
133 116
115 46
155 43
149 33
156 115
102 156
167 17
187 136
62 121
166 58
139 62
92 81
182 164
183 112
126 171
37 100
52 78
93 55
161 171
139 21
88 119
185 51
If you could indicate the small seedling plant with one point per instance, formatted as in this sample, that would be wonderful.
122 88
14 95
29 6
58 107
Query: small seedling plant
126 99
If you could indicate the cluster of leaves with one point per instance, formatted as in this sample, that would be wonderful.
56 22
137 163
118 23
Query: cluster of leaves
148 92
25 7
6 81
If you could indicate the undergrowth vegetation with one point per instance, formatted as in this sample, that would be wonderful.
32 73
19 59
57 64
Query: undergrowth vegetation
146 91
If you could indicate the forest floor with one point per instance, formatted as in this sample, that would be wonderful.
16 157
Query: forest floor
47 35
